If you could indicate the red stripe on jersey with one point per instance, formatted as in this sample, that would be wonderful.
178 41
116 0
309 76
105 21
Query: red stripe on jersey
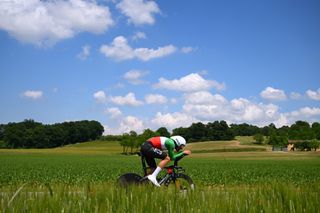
156 142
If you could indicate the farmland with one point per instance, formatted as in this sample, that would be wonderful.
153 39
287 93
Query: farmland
82 176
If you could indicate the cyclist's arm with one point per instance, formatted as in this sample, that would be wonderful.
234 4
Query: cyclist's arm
170 146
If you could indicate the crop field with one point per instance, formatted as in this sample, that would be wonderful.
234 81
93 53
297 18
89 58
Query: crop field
82 178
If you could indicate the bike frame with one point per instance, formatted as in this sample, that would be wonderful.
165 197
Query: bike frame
172 170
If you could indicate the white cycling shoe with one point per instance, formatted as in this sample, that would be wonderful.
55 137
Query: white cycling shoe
153 180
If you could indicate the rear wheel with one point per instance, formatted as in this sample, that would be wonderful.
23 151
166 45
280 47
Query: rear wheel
129 179
181 183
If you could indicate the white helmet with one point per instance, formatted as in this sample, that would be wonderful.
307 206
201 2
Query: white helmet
179 140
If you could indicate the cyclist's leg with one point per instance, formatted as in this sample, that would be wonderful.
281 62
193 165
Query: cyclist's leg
151 153
147 151
152 164
156 153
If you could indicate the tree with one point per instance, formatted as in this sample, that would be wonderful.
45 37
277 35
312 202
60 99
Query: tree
218 130
198 131
125 143
31 134
278 140
148 133
258 138
133 143
244 129
182 131
316 130
163 132
301 131
2 127
314 144
14 135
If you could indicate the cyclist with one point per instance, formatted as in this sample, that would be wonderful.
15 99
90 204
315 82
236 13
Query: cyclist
156 147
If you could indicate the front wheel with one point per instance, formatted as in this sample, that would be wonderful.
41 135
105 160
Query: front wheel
181 182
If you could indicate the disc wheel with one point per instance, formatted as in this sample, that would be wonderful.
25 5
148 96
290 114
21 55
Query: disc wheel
129 179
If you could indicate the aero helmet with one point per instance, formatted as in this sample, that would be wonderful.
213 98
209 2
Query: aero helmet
179 140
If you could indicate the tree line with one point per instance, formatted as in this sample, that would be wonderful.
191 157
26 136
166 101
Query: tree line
306 136
32 134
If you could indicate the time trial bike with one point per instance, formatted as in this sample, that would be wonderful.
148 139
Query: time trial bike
174 176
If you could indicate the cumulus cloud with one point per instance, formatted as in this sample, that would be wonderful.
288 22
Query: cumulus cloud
173 120
127 124
190 83
84 54
131 123
120 50
295 95
139 35
156 99
205 106
272 94
114 112
204 97
100 96
314 95
210 107
305 112
139 12
310 114
47 22
33 94
134 76
129 99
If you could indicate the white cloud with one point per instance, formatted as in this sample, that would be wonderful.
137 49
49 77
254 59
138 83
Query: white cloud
84 54
139 35
243 110
239 104
100 96
46 22
190 83
146 54
156 99
314 95
207 107
187 49
126 125
306 112
114 112
204 105
270 93
173 120
129 99
204 97
252 113
134 76
139 12
295 95
33 94
131 123
120 50
309 114
215 108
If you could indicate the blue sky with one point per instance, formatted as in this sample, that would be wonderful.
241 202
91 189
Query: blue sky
137 64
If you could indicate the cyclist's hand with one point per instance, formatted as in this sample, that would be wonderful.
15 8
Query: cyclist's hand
187 152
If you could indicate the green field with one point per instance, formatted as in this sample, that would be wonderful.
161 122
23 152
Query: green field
230 177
